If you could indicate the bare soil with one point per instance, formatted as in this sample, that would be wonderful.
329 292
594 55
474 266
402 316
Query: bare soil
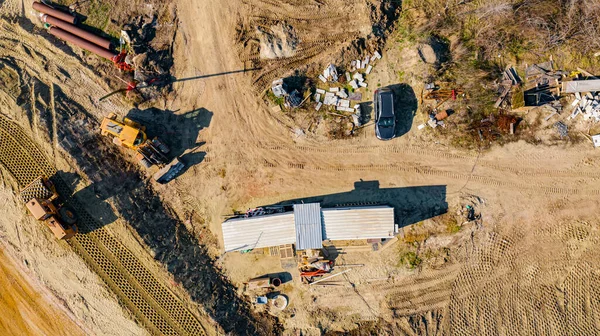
531 255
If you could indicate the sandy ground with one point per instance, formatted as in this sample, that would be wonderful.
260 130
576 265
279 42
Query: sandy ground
25 310
65 280
533 195
532 260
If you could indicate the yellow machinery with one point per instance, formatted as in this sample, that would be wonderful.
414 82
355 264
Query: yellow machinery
130 134
39 196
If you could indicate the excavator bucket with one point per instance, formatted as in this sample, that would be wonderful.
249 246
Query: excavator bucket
170 171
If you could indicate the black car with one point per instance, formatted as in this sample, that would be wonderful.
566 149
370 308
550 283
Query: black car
385 120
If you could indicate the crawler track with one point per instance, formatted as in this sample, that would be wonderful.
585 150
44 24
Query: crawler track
152 303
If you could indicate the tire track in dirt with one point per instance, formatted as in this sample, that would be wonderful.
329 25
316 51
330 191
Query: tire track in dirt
152 303
419 152
428 171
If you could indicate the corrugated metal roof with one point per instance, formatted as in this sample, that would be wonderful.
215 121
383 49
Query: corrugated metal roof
358 223
262 231
309 234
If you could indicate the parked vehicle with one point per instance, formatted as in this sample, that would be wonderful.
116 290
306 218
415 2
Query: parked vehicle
385 119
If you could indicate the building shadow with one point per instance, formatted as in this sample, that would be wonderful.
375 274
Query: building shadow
405 104
411 204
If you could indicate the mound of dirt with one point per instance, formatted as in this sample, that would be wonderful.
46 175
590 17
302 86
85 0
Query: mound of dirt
427 54
313 33
277 42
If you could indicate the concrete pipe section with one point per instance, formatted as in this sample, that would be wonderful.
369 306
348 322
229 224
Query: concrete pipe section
102 42
89 46
40 7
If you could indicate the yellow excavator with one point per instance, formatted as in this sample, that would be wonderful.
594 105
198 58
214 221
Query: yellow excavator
40 197
132 135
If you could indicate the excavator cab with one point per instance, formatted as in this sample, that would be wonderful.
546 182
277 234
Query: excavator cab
127 133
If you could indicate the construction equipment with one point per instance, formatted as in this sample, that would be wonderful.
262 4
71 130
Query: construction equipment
40 197
130 134
312 266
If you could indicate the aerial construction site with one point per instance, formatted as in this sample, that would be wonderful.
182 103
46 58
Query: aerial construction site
299 167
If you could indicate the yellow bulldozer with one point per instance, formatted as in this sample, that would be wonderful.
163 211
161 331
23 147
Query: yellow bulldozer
150 152
40 197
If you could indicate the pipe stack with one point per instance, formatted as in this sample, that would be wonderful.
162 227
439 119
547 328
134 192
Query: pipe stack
85 44
102 42
63 27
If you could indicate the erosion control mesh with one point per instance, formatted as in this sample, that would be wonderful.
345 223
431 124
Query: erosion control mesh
153 304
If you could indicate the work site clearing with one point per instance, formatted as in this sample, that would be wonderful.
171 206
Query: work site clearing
213 167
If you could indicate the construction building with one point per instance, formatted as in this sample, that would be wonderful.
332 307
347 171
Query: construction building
307 226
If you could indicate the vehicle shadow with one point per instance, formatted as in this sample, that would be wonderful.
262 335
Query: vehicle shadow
411 204
405 104
178 131
93 200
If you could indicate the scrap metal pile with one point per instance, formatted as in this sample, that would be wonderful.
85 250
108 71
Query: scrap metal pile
587 104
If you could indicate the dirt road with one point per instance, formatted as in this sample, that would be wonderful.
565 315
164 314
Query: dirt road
537 199
530 192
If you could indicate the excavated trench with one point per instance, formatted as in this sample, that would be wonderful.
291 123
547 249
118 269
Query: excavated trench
56 118
114 178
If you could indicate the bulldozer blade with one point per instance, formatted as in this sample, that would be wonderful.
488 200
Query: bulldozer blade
169 172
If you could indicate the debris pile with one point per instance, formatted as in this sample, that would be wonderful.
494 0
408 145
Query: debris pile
510 79
329 74
440 96
437 119
341 98
280 90
562 129
596 140
542 84
588 106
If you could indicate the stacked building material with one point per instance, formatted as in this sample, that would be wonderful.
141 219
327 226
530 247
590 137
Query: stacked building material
339 97
62 25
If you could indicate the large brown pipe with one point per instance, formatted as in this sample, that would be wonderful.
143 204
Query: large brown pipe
89 46
104 43
40 7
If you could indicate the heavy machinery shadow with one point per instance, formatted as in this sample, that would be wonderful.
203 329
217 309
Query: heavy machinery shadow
133 199
176 80
93 200
179 131
411 204
406 104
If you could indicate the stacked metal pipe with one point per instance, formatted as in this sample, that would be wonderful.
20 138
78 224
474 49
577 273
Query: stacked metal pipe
63 27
